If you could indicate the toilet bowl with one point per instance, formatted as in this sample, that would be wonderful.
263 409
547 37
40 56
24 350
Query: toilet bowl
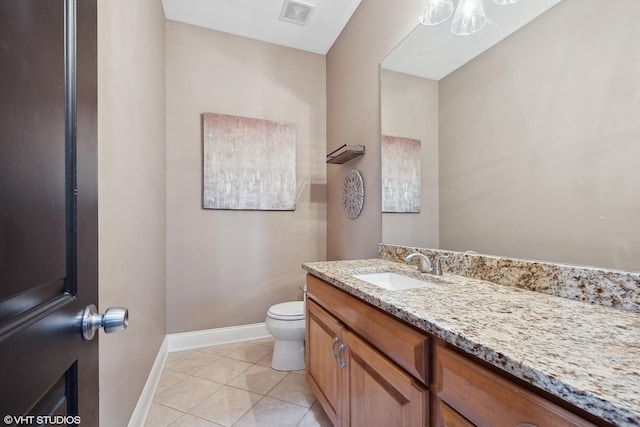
285 322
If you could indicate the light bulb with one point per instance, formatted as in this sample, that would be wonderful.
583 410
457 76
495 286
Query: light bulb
469 17
436 12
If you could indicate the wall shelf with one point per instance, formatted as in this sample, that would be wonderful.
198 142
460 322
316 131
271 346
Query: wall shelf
345 153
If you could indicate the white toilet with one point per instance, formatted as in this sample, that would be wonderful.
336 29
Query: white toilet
285 321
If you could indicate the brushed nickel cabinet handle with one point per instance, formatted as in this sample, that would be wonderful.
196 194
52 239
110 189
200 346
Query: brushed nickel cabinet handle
333 348
340 362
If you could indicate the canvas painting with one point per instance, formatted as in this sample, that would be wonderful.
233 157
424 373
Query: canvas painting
249 164
401 186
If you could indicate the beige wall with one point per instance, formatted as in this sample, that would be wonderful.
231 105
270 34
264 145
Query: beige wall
539 141
409 109
131 176
227 267
353 117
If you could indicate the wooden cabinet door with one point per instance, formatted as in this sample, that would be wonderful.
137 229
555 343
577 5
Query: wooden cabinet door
379 392
450 418
324 333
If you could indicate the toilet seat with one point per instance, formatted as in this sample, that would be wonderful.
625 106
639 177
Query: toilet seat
292 310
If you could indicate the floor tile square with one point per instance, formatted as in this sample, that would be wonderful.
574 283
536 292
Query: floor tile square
316 417
226 405
272 412
161 416
220 350
187 393
169 378
223 370
294 389
266 360
189 362
258 379
188 420
265 341
250 352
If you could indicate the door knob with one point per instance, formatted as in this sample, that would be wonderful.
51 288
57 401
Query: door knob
113 320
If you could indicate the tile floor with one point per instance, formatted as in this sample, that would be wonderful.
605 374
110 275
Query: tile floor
232 385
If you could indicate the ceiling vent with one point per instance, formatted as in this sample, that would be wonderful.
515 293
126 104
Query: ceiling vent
296 12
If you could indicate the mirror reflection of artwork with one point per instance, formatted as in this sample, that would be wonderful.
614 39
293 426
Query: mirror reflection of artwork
400 174
249 164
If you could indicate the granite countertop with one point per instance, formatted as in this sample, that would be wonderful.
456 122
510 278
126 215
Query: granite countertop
585 354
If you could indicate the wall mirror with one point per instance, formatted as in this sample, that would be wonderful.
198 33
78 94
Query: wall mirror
529 132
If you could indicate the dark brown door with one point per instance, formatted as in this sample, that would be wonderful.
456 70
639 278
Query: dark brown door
48 211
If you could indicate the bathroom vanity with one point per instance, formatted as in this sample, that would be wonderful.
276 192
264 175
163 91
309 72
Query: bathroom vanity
344 332
465 352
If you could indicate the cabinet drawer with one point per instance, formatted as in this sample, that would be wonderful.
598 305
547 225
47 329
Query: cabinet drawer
487 399
398 341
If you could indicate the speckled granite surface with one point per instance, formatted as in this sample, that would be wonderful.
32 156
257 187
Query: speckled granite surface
610 288
586 354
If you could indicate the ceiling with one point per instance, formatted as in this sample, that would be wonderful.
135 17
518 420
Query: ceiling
259 19
429 51
434 51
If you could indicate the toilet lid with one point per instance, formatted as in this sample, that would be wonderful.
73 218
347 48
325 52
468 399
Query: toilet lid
293 310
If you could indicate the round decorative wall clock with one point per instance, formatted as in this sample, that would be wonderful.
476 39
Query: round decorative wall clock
353 194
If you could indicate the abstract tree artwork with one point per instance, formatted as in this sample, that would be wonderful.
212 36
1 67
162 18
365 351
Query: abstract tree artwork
249 164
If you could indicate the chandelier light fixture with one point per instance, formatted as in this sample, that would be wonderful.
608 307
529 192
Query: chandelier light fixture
469 16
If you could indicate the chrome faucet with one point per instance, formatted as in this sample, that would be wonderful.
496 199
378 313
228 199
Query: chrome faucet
426 266
437 270
425 262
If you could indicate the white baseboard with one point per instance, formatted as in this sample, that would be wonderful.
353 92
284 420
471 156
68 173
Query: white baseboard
209 337
141 410
187 341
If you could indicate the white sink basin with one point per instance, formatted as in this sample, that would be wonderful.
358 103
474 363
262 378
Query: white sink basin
393 281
